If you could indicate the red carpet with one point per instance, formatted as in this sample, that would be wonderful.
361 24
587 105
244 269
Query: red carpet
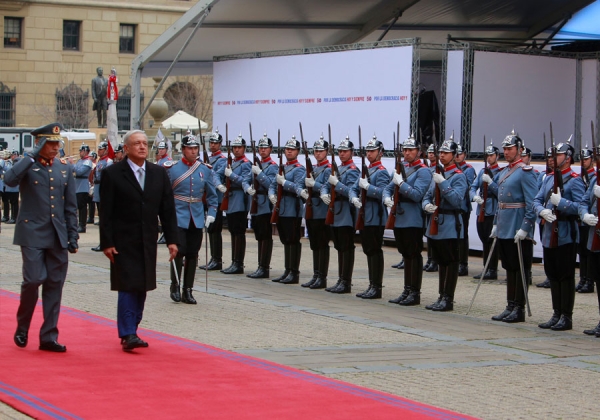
173 378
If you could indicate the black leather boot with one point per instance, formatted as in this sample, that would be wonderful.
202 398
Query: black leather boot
567 301
582 281
441 282
415 271
345 285
556 306
175 293
463 269
446 304
399 265
315 255
593 331
189 274
321 282
551 322
377 263
433 267
517 315
259 250
340 270
366 291
265 249
545 284
564 323
403 296
233 267
215 264
295 255
514 283
507 311
587 287
286 262
434 304
370 271
238 251
413 299
426 266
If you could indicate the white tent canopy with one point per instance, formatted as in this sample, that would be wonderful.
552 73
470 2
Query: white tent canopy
183 121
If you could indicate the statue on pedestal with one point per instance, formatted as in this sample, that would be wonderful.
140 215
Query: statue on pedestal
99 95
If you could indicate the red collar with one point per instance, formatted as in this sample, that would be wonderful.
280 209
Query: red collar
566 170
449 168
105 157
512 165
591 170
348 162
325 162
183 160
292 162
416 162
268 159
494 166
374 164
240 158
216 154
45 162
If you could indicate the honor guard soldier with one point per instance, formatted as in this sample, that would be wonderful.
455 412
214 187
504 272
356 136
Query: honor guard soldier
470 174
218 161
410 220
265 173
344 223
82 171
541 177
514 225
46 230
237 222
375 216
195 196
162 156
588 176
559 210
103 162
447 217
319 234
289 224
430 265
484 228
118 154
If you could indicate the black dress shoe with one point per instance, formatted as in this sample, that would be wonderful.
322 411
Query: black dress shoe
53 346
21 339
81 229
11 222
545 284
4 219
517 315
403 296
372 293
434 304
580 284
321 283
587 287
433 267
463 270
593 331
445 305
161 240
551 322
175 293
413 299
400 265
89 221
97 249
311 281
564 323
132 341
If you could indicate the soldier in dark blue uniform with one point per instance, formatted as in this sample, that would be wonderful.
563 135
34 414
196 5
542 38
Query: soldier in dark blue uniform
484 229
559 260
265 173
463 247
240 175
344 222
319 234
515 187
192 185
218 161
586 283
375 216
102 164
452 185
410 220
82 169
290 212
46 230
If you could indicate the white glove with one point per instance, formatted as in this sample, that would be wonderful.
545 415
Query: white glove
547 215
250 191
590 220
273 199
208 221
222 188
487 179
304 194
388 202
309 182
597 191
493 234
555 198
363 183
228 171
356 202
333 180
256 169
326 198
477 199
520 235
430 208
438 178
397 179
280 179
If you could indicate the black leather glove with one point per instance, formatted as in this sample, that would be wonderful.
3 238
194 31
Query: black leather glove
72 247
35 153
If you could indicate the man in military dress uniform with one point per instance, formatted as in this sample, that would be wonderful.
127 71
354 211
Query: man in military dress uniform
265 173
240 175
218 161
344 222
515 187
103 162
83 168
586 282
484 229
119 152
375 214
431 265
410 220
191 181
289 224
463 247
46 230
162 157
559 258
319 234
448 214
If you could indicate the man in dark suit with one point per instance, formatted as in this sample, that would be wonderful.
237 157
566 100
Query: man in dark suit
46 228
133 194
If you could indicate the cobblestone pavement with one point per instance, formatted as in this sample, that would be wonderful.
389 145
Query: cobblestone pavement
469 364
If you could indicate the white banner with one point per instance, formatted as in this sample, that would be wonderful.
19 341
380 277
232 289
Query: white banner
112 124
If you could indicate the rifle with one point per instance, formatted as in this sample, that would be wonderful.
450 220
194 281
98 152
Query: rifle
225 202
255 184
391 221
360 220
484 187
596 239
546 155
275 214
206 160
329 219
558 187
434 226
309 173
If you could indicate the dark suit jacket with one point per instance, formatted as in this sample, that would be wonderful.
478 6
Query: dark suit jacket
129 222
